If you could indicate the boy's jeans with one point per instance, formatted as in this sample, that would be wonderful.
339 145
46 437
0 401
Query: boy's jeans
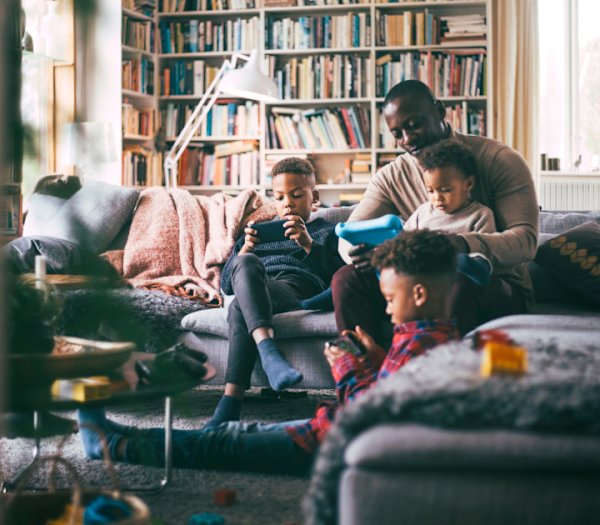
253 447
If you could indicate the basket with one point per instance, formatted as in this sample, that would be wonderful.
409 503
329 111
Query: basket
34 508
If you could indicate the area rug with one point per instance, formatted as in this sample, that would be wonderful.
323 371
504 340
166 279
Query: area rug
261 498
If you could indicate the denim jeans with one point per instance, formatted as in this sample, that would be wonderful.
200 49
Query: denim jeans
257 298
252 447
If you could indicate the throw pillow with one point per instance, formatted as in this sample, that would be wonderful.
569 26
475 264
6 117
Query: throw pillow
574 259
556 223
41 210
93 217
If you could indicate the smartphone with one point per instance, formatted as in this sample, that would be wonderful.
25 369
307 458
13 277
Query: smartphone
271 231
350 344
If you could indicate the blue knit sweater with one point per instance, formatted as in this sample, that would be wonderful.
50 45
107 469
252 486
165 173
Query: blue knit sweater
318 266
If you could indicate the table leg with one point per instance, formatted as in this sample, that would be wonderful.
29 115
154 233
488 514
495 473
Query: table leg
8 486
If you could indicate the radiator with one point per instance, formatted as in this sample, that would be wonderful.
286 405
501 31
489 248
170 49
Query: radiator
570 195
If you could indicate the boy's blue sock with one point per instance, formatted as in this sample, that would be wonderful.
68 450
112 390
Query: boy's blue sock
322 301
228 409
281 375
90 438
475 268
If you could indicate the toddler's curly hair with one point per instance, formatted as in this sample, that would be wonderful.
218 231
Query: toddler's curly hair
446 153
296 166
417 252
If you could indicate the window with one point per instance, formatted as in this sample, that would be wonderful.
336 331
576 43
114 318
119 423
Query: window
570 82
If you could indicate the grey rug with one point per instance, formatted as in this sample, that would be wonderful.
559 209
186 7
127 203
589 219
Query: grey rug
261 499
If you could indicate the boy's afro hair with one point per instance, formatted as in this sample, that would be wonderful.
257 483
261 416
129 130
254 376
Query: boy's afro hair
448 152
294 165
417 252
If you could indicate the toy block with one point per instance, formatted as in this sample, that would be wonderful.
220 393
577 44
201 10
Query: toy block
85 389
207 518
225 497
502 358
484 336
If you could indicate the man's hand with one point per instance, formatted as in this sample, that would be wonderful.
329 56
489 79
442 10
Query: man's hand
295 229
364 339
361 257
251 239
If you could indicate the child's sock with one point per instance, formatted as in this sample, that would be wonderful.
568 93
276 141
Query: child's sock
228 409
90 438
281 375
322 301
477 269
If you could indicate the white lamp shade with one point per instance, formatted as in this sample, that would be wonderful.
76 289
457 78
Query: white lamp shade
88 143
249 82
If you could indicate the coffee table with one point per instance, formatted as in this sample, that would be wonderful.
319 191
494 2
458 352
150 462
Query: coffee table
135 391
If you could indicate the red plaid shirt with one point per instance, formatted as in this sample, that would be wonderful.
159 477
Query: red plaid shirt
354 377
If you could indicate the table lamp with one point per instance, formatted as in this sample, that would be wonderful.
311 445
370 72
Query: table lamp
86 144
247 82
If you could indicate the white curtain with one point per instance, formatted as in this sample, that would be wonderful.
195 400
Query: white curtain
515 61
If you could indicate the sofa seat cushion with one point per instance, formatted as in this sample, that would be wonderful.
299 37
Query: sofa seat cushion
418 447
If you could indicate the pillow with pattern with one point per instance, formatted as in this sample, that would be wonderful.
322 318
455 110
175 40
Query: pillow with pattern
574 259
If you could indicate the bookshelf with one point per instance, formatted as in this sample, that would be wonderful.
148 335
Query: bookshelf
354 44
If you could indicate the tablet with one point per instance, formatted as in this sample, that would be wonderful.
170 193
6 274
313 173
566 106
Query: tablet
372 232
270 231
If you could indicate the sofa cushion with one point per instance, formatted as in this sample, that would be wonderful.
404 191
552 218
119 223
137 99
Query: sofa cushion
335 214
556 223
574 259
91 218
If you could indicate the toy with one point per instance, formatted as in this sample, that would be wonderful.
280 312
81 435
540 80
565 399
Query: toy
483 336
65 519
271 231
372 232
104 510
207 518
502 358
85 389
225 497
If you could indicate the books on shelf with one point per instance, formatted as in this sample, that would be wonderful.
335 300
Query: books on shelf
141 167
325 129
454 115
322 32
384 159
138 75
137 34
228 118
137 121
145 7
477 122
448 74
186 77
10 211
359 168
234 164
322 76
407 29
463 29
199 36
174 6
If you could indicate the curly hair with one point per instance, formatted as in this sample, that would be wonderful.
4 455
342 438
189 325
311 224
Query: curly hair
417 252
296 166
446 153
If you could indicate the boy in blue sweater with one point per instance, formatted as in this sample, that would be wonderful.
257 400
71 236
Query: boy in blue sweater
270 278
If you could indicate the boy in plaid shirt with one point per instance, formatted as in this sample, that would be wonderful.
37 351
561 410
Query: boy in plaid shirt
417 271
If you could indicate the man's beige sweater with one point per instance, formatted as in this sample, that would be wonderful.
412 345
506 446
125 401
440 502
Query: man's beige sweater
504 184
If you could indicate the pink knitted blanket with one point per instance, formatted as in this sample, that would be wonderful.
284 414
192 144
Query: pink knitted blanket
178 242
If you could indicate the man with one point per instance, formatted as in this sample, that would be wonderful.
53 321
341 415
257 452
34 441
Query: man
416 119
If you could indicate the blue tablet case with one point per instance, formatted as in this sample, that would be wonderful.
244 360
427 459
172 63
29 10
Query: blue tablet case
371 232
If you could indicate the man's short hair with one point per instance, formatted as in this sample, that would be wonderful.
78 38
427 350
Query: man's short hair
446 153
296 166
417 253
409 87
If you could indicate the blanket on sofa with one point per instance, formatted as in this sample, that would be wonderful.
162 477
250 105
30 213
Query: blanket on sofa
560 393
178 242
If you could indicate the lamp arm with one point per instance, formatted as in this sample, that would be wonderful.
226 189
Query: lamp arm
193 123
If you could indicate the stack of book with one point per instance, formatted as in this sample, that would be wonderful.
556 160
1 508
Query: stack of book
343 31
360 168
384 159
407 29
463 29
330 2
477 122
145 7
138 75
139 35
140 168
232 164
229 118
197 36
174 6
320 129
453 73
454 117
186 77
322 76
137 121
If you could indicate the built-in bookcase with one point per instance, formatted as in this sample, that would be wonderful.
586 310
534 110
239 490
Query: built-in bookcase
333 65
